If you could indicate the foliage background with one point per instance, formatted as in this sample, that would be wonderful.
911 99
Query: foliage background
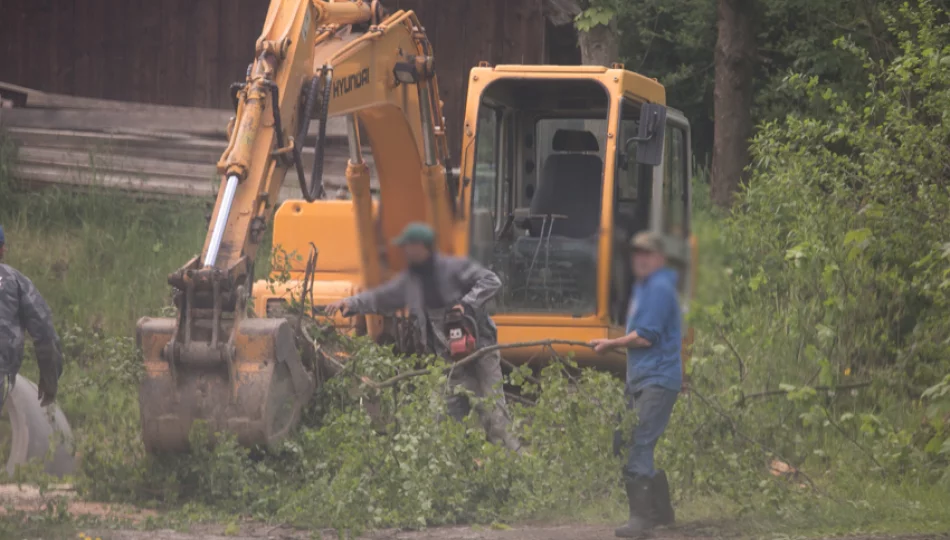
820 378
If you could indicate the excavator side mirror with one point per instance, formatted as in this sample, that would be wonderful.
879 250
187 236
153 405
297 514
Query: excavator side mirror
650 135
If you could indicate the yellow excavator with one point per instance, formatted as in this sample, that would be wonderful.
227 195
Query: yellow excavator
560 166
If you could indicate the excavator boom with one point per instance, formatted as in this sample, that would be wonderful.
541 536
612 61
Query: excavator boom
314 59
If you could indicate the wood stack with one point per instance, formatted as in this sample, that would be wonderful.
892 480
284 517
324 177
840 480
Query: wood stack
150 150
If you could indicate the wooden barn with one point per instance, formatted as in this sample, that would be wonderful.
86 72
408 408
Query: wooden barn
187 52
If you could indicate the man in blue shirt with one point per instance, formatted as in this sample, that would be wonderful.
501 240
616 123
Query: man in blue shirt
654 378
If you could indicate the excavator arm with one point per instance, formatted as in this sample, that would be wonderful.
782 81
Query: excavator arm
319 59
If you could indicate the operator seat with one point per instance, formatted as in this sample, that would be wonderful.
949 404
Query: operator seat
571 185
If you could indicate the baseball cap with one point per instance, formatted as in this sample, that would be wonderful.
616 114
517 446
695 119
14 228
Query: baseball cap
416 233
648 241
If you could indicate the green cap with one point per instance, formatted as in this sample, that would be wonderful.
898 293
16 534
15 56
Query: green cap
416 233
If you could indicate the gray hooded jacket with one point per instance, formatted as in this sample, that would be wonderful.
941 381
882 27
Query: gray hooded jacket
460 281
23 308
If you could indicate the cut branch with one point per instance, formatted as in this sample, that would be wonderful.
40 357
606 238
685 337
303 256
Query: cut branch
735 429
478 354
735 352
772 393
855 442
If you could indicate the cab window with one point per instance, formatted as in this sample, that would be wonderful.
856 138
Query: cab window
548 193
632 199
675 178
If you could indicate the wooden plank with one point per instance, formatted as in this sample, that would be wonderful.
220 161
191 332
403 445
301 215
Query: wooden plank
206 122
203 121
185 150
192 151
116 163
33 175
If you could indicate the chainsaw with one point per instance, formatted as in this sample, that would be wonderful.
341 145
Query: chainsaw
460 330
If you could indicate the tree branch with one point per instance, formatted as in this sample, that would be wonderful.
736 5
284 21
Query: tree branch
475 356
854 441
735 352
735 429
772 393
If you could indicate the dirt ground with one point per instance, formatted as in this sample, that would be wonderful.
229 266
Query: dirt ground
28 499
532 532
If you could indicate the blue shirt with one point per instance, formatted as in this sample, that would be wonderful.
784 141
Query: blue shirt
656 316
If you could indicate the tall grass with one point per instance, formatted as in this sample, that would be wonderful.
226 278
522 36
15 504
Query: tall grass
100 260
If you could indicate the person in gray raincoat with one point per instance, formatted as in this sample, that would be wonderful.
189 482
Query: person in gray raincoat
433 285
23 308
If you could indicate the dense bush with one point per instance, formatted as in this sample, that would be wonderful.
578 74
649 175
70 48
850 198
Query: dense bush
839 261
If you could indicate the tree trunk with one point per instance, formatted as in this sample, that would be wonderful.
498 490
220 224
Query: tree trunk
734 57
600 46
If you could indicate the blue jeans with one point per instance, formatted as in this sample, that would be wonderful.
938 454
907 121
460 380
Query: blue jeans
654 405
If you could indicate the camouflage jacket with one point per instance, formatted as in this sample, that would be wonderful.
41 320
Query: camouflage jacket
460 281
22 308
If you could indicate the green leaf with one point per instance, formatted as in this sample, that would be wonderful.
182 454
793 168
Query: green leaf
857 236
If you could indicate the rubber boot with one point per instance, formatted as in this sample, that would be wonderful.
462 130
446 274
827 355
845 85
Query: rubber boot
662 505
641 508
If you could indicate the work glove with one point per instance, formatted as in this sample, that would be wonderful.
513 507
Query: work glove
51 367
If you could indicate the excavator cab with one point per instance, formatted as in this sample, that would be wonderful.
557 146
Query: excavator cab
561 167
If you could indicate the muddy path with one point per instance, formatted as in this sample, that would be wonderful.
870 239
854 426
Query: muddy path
526 532
29 501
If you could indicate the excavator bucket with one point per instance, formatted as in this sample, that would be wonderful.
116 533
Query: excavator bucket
255 387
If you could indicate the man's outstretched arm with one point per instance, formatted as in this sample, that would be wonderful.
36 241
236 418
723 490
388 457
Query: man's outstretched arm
37 318
649 325
386 298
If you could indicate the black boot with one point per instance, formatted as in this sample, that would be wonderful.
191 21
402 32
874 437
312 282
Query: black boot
641 508
662 506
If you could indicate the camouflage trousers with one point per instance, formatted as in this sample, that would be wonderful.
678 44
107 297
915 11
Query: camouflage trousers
482 377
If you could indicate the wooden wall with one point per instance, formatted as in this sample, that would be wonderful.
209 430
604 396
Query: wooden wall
465 32
187 52
169 52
